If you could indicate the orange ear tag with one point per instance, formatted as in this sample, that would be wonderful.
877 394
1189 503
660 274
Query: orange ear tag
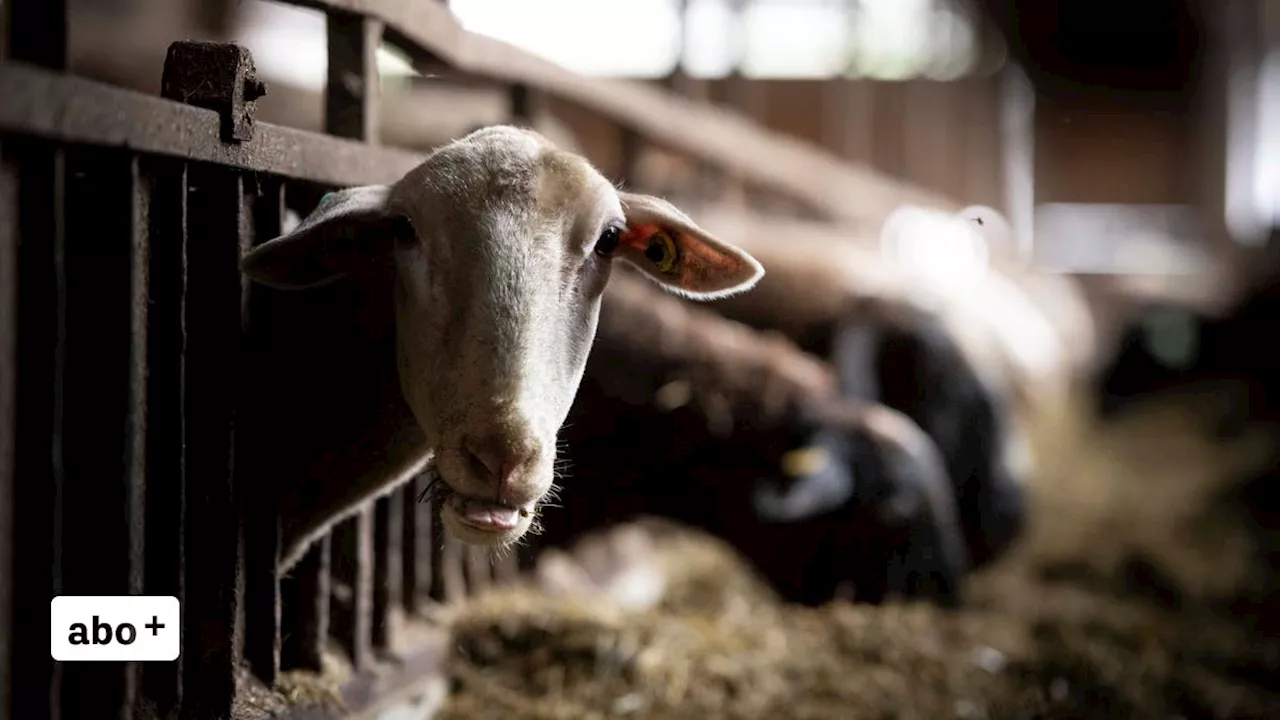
657 245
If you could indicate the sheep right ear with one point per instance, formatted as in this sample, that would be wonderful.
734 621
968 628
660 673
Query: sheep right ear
348 229
670 249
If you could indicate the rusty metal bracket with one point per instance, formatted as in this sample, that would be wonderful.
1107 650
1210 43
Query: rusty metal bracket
217 76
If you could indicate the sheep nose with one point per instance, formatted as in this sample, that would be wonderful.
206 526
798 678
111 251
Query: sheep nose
499 458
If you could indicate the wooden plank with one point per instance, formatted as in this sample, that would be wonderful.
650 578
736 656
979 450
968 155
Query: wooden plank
213 627
92 447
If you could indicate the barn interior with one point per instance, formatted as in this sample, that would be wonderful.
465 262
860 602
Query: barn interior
1033 477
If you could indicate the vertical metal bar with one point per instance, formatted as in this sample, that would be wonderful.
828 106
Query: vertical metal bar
889 138
523 105
631 145
352 89
8 402
452 568
214 539
136 453
526 556
479 569
304 597
351 110
506 567
37 32
352 589
1017 107
387 569
91 437
165 453
415 554
41 170
258 480
305 590
437 570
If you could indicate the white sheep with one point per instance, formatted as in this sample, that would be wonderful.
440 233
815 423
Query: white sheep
500 245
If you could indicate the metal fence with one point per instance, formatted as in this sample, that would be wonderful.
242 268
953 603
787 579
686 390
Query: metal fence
127 457
131 468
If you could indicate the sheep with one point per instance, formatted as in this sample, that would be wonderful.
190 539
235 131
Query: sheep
893 343
446 318
904 357
1216 354
1037 328
690 416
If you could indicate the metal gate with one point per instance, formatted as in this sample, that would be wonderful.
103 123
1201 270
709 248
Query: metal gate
126 464
125 458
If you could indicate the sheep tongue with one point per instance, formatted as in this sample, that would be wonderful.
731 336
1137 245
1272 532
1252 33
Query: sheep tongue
486 514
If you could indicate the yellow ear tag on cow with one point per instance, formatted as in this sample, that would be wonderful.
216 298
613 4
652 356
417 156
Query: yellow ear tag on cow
804 461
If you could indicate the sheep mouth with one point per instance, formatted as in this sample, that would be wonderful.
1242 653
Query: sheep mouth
484 514
475 512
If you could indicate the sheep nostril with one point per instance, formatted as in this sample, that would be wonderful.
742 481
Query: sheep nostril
497 458
479 466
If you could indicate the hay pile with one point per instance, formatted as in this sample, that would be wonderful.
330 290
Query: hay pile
1106 632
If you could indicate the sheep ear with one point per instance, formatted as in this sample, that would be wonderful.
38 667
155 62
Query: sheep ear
348 229
680 256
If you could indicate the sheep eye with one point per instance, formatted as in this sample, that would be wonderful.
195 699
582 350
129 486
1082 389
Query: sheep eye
662 251
402 229
608 241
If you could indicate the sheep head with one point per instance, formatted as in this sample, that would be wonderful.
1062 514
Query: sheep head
502 245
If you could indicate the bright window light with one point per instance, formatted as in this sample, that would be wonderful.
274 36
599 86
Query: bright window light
789 39
1266 168
782 39
943 249
638 38
712 39
891 38
290 45
952 46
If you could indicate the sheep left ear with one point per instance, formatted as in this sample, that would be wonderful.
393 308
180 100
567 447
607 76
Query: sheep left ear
680 256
